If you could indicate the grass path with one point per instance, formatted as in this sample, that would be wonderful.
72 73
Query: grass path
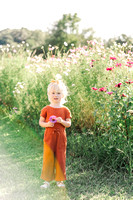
15 181
20 167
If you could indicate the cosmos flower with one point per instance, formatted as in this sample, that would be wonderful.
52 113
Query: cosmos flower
91 64
113 58
53 119
123 95
94 88
130 62
109 93
65 43
109 68
103 89
118 65
118 85
15 108
129 65
129 82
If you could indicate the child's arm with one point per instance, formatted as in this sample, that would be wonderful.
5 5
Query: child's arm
66 123
44 124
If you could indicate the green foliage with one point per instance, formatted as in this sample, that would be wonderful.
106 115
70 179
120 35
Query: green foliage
100 86
17 36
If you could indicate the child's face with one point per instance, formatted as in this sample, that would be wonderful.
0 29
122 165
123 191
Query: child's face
55 96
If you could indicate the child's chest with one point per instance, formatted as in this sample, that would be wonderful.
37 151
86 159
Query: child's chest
56 112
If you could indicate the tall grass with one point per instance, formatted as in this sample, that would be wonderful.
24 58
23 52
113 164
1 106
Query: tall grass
100 85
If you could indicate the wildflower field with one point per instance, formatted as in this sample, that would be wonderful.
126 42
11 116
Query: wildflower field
100 86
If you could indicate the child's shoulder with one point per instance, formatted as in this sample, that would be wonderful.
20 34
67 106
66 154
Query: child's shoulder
65 108
67 112
45 107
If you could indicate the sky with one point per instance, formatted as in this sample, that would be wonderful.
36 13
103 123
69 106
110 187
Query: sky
108 18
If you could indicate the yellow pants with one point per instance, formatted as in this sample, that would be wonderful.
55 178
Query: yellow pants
54 156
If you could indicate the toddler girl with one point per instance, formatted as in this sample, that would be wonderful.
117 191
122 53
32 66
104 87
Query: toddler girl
55 117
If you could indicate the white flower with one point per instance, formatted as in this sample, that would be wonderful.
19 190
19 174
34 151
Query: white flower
14 50
18 83
130 111
65 73
21 86
124 44
17 91
65 43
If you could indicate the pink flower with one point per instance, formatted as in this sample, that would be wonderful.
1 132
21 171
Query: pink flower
130 62
94 88
53 119
72 50
103 89
113 58
129 65
109 68
91 64
109 93
129 82
118 65
118 85
91 42
123 95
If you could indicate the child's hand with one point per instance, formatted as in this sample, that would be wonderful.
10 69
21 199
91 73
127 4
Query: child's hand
50 124
59 119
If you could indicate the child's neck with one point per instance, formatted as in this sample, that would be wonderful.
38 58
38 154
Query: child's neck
54 105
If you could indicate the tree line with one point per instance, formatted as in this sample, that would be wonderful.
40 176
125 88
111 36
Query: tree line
16 36
63 35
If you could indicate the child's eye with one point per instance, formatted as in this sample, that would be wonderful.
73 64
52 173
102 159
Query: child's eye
58 92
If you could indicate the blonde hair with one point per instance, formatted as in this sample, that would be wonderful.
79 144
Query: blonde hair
58 85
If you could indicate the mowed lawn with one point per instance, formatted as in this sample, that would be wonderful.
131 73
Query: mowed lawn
21 153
